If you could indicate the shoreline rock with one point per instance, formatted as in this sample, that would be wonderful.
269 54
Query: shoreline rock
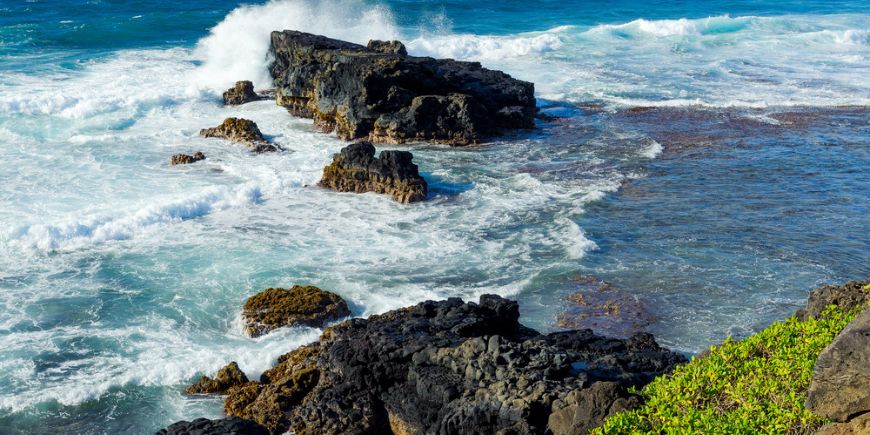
355 169
300 305
381 94
224 426
186 159
228 377
241 131
450 367
846 296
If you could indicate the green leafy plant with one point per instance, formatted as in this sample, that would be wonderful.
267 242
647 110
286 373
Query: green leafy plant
755 385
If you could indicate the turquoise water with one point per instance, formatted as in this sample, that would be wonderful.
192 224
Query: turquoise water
122 278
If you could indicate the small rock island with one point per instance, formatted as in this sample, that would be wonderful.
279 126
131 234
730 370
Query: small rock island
380 94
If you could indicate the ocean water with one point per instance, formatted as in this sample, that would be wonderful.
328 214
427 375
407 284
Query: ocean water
709 159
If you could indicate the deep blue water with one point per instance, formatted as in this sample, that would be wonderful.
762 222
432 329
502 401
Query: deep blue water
708 161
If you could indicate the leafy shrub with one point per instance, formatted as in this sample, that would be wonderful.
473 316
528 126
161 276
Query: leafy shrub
755 385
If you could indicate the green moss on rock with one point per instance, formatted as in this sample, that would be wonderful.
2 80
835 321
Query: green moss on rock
300 305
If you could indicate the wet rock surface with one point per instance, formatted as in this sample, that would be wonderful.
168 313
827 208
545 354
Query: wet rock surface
226 378
846 296
450 367
241 131
380 94
224 426
186 159
604 308
300 305
840 389
241 93
355 169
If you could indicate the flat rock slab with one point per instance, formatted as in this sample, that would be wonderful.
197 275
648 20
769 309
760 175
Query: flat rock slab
300 305
381 94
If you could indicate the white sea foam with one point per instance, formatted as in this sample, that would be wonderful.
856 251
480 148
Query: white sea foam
486 48
237 47
91 230
653 150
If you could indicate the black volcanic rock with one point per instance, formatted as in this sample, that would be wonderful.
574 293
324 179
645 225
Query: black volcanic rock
355 169
241 93
450 367
846 296
380 94
224 426
242 131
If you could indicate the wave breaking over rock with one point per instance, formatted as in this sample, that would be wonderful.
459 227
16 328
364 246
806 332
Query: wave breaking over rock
379 93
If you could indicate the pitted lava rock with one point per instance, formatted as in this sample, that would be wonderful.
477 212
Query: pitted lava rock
450 367
381 94
355 169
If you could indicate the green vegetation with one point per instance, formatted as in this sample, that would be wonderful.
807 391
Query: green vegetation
755 385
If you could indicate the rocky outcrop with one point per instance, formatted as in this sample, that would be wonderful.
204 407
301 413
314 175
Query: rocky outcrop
846 296
380 94
186 159
450 367
355 169
242 131
224 426
300 305
241 93
226 378
840 389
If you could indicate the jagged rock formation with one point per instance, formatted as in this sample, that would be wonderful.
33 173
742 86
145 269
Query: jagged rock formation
355 169
224 426
241 93
840 389
380 94
242 131
846 296
186 159
229 376
300 305
450 367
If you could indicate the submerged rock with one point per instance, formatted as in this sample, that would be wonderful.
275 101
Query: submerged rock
846 296
229 376
450 367
242 131
380 94
300 305
604 308
355 169
840 389
186 159
241 93
224 426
